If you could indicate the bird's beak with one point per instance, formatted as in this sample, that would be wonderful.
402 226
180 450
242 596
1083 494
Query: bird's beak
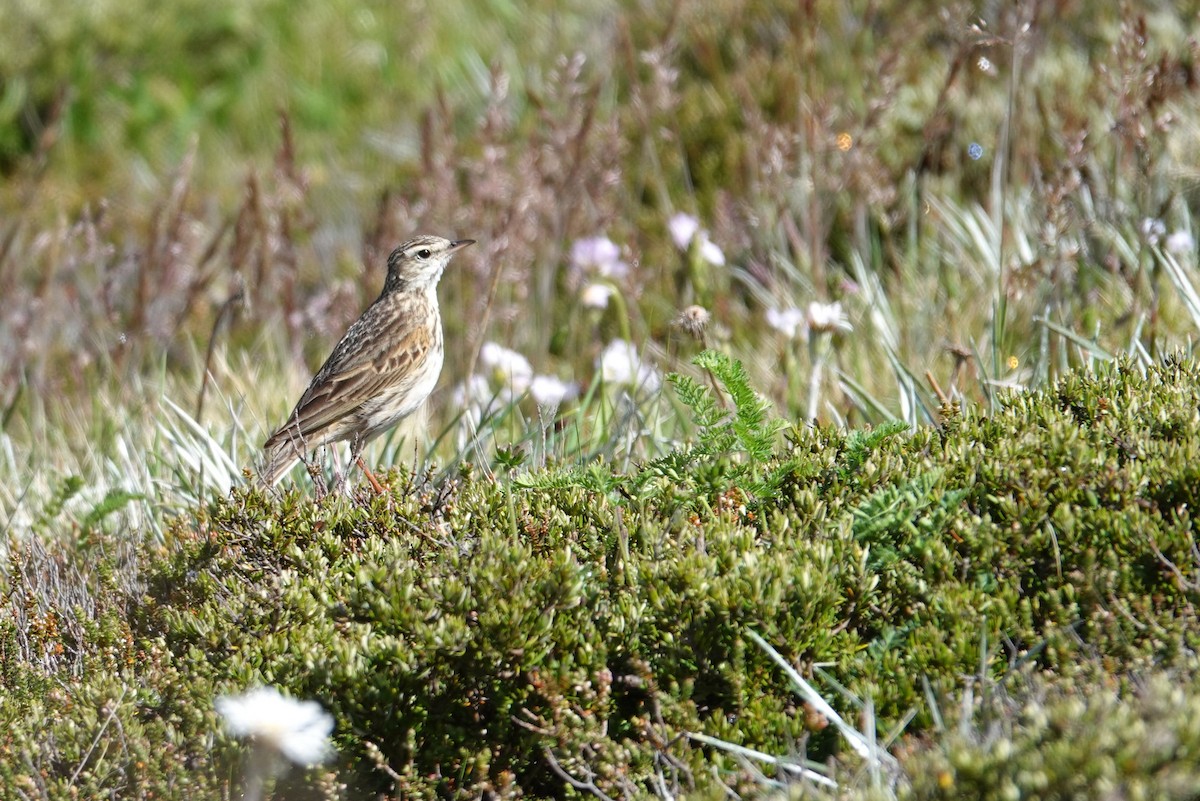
460 244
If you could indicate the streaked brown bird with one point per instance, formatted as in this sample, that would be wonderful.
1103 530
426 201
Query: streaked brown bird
380 372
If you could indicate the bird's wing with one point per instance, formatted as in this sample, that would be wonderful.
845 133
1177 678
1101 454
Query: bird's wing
376 352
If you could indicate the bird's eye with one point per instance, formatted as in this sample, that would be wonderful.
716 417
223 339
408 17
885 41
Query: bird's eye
423 253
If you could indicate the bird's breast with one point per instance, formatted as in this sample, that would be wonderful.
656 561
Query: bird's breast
405 397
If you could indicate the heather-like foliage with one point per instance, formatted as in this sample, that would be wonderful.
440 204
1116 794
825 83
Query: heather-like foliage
497 636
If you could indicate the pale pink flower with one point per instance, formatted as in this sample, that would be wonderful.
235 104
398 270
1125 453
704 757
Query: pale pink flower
787 321
599 255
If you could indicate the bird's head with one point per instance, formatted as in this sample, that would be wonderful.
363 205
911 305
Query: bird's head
419 262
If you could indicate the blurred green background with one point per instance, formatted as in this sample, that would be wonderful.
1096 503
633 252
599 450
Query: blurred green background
127 86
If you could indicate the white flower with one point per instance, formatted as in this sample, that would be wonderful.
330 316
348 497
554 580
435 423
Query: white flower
683 227
549 392
710 252
299 730
1153 229
827 317
475 398
786 321
509 369
472 392
1180 242
594 251
600 255
595 296
619 363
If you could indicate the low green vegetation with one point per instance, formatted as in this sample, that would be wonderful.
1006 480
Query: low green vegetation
822 384
1012 592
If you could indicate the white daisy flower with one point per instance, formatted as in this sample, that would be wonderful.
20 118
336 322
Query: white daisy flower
683 227
297 730
507 368
619 363
827 317
788 322
595 296
550 392
1180 242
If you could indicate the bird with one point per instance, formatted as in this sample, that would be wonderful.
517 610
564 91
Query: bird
381 371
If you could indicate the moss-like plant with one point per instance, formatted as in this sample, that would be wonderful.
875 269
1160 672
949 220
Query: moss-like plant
559 634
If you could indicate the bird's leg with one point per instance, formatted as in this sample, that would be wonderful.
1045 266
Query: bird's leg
356 450
339 477
379 489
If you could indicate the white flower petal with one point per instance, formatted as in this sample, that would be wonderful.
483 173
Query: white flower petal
548 391
786 321
619 363
595 296
1180 242
475 391
299 730
827 317
509 369
614 270
711 253
595 251
1153 229
682 228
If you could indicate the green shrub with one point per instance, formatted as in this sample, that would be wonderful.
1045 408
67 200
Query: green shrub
484 636
602 626
1082 740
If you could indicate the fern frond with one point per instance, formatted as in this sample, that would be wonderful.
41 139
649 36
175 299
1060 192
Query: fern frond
112 502
707 414
752 425
859 444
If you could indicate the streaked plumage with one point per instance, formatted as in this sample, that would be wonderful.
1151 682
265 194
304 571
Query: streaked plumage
383 368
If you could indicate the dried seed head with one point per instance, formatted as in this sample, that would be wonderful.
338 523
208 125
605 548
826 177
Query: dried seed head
693 320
